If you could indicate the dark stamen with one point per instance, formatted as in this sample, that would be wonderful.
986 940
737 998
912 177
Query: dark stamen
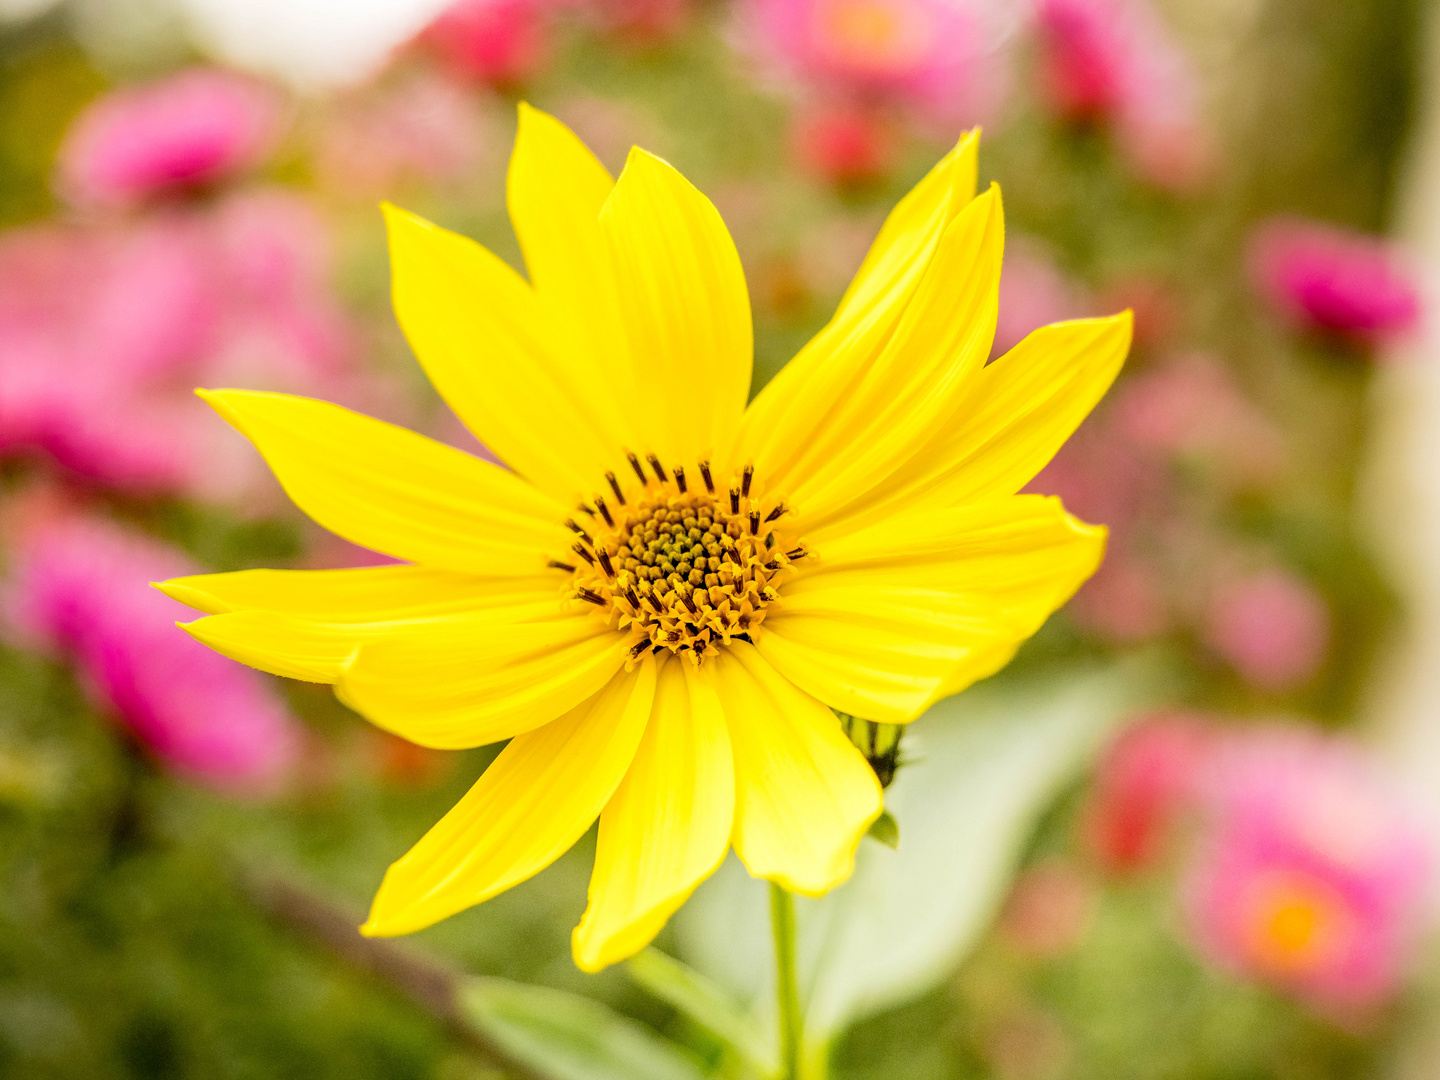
577 530
705 472
689 603
590 597
754 522
556 564
680 478
777 512
734 500
659 469
797 553
583 553
604 557
638 648
588 509
769 540
745 478
604 511
772 565
630 595
635 464
615 487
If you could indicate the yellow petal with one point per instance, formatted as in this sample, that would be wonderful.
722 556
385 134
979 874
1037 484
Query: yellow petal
786 417
917 386
280 644
467 681
307 624
397 492
804 796
360 594
486 342
888 616
1019 412
685 311
668 824
920 216
533 802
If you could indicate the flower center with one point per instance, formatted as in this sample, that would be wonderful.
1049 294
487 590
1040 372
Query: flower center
685 568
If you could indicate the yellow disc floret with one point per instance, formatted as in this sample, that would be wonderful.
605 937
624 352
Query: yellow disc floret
685 570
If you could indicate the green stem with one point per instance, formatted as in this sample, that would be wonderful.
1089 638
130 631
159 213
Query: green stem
787 988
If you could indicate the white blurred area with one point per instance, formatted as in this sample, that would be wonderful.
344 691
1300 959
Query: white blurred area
310 44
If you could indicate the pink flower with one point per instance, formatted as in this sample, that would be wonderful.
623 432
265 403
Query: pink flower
1113 60
1191 407
1272 627
105 333
1333 279
1148 777
499 42
939 55
1310 877
81 587
189 129
1034 292
844 144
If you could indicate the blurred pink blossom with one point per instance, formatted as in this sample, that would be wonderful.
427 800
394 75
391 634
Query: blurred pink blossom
942 56
81 588
188 129
497 42
1145 782
843 143
105 333
1333 279
1125 600
1034 292
1310 876
1191 407
1115 61
1272 627
423 128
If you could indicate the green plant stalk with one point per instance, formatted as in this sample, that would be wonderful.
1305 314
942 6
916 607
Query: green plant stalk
787 987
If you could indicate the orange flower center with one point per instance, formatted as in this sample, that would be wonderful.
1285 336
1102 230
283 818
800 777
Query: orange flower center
877 36
682 568
1295 923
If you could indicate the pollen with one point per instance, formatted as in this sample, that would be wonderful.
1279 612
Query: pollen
680 564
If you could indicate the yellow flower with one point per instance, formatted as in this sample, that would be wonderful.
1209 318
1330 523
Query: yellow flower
663 603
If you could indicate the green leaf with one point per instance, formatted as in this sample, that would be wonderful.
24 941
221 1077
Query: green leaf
984 767
707 1004
563 1036
886 830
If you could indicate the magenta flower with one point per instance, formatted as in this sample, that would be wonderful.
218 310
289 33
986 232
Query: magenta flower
1333 280
1114 61
105 333
186 130
1147 780
938 55
81 588
1310 876
1272 627
499 42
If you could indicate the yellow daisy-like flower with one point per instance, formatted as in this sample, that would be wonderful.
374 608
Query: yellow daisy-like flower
663 603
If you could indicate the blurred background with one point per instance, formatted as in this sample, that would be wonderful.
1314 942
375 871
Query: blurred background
1190 833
